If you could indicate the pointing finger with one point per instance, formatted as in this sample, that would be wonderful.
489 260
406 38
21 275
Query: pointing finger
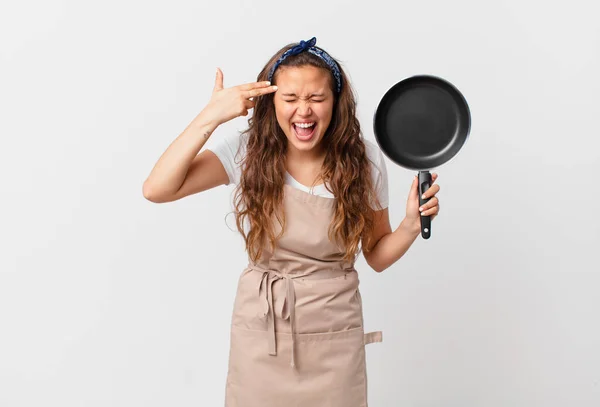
254 85
259 92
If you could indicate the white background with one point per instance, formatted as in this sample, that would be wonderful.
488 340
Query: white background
107 299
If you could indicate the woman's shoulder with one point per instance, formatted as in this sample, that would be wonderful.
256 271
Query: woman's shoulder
230 148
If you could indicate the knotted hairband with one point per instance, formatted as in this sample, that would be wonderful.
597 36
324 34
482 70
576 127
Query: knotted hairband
309 46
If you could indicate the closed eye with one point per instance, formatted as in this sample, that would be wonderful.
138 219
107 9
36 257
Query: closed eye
313 100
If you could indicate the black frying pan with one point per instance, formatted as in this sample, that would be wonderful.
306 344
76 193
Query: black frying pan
421 123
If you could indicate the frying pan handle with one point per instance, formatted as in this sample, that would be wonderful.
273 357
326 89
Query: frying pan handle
424 184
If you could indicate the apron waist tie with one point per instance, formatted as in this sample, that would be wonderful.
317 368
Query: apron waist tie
287 311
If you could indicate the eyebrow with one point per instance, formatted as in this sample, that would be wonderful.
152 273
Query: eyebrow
293 94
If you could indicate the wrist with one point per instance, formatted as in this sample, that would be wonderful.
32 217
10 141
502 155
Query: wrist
206 120
411 226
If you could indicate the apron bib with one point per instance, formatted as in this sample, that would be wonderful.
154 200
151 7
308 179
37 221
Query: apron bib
297 336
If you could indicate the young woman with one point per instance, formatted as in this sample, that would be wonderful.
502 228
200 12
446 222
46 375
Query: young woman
310 194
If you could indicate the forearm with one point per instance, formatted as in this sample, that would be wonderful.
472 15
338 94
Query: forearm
170 170
391 247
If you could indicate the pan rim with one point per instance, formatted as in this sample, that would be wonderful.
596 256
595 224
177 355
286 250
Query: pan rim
431 80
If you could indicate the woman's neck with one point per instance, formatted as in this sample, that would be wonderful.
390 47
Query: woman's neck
312 158
305 166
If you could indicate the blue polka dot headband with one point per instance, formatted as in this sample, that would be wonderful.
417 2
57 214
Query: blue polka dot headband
309 46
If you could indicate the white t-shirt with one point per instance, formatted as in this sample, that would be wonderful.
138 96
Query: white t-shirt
226 147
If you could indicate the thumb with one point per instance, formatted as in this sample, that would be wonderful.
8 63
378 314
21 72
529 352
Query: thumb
414 189
218 80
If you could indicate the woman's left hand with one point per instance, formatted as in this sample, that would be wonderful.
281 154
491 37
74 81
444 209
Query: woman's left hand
431 208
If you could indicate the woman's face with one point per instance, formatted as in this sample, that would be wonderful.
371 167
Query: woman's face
303 99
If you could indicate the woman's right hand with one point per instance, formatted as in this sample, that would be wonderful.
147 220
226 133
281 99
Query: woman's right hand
228 103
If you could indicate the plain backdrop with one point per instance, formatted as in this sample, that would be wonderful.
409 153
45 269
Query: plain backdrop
107 299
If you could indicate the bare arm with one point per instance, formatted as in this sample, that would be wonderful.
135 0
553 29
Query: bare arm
181 171
387 246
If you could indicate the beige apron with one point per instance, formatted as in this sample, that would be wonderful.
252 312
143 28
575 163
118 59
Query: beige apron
297 337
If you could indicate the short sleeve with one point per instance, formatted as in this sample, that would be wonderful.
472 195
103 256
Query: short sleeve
378 173
230 150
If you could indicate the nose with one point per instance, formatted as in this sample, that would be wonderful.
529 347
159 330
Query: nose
304 108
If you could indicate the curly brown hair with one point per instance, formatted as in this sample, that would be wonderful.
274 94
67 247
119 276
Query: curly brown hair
346 169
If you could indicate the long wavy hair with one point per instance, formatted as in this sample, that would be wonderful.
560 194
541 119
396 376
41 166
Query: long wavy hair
346 169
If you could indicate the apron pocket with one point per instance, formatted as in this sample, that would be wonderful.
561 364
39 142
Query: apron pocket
331 304
330 370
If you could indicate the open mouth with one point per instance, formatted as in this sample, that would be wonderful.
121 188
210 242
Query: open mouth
304 131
